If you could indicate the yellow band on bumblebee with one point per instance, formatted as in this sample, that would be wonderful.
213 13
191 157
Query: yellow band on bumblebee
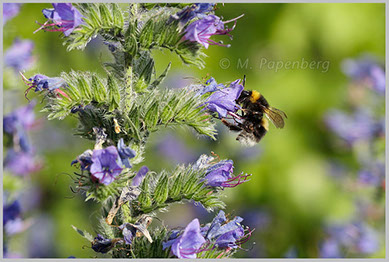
255 95
265 124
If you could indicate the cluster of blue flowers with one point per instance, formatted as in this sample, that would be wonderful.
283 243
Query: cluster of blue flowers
219 234
362 128
105 164
20 158
365 124
19 56
20 161
354 237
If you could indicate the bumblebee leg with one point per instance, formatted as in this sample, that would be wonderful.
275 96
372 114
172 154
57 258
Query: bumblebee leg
232 127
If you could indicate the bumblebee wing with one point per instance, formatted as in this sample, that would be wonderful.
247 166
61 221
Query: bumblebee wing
276 116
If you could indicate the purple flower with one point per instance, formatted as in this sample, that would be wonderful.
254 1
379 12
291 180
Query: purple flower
125 153
22 118
19 55
105 166
366 71
223 101
220 175
330 249
12 220
41 82
210 231
20 163
359 126
211 86
190 12
64 18
15 226
174 234
85 160
189 243
226 235
201 30
368 241
374 174
137 180
128 232
101 244
355 237
10 10
11 211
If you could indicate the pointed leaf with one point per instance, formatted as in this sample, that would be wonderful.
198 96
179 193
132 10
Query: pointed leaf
83 234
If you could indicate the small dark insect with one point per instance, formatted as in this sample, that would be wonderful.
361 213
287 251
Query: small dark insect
252 124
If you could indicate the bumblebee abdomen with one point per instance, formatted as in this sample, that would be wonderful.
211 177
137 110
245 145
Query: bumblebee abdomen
265 124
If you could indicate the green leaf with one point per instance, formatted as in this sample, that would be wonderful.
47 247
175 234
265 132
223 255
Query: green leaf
184 183
106 14
152 116
176 187
84 234
143 69
98 90
146 35
131 45
85 89
157 81
117 14
144 197
190 183
106 229
161 190
113 93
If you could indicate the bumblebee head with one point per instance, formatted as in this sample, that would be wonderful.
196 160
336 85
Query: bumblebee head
243 96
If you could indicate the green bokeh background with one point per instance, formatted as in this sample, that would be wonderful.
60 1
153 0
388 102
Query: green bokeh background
290 176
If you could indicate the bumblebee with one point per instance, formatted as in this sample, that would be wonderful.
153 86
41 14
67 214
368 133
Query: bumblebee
252 124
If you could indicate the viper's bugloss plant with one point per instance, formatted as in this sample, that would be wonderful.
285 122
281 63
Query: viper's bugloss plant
361 130
19 162
119 111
